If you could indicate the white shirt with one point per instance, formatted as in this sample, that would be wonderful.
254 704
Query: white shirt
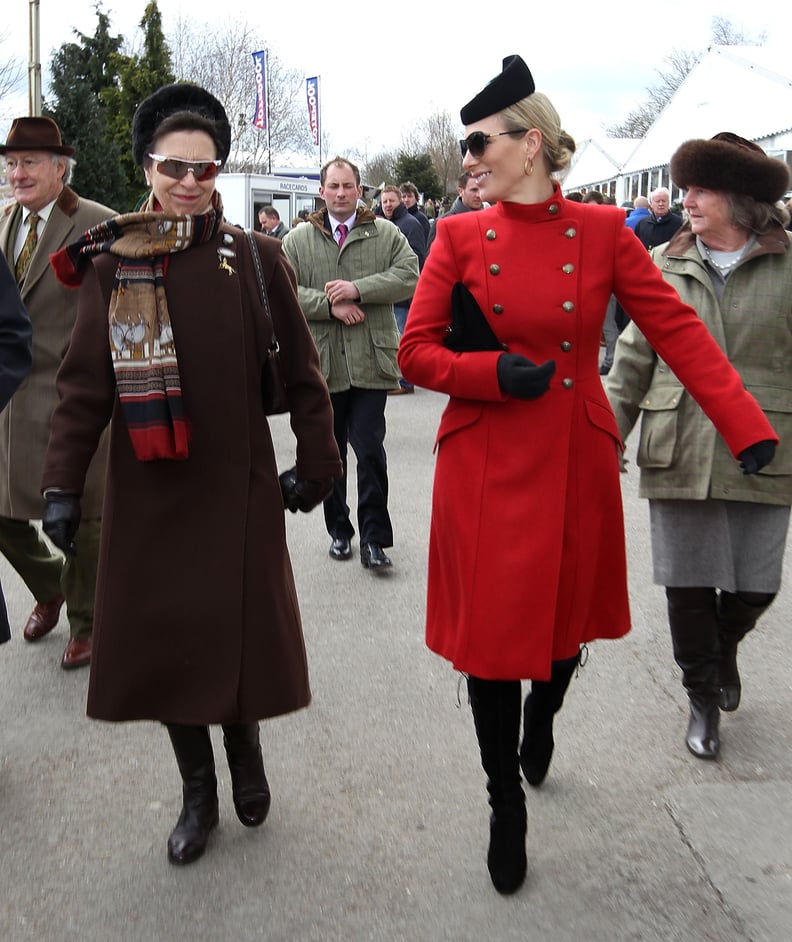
22 228
335 223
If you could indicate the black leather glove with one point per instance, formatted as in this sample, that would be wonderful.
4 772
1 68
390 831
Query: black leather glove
519 377
61 519
757 456
302 495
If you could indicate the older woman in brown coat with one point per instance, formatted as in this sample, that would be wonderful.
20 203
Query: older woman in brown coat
718 536
197 619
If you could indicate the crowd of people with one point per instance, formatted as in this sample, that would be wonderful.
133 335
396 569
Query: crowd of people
135 424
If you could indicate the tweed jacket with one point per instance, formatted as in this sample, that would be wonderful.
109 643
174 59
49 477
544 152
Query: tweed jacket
378 260
680 454
25 424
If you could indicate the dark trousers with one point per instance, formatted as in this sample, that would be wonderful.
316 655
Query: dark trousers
359 421
47 574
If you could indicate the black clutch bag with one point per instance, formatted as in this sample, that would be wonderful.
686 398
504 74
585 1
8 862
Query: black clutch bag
469 330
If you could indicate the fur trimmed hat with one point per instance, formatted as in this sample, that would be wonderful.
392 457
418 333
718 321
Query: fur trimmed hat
170 99
514 83
730 163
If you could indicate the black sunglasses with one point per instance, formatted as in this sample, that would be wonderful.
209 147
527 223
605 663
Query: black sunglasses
177 169
477 142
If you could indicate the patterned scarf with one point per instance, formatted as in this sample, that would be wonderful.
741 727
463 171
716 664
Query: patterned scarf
141 336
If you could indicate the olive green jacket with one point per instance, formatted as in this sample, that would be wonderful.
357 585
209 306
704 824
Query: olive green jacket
377 258
680 454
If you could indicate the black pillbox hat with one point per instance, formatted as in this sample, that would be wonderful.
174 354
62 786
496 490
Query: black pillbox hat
513 84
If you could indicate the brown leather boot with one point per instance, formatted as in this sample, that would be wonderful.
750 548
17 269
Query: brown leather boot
694 636
199 814
737 615
249 784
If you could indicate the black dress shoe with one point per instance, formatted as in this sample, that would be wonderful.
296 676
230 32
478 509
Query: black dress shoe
341 548
372 556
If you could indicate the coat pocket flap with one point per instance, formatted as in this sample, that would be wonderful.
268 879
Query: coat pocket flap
771 398
603 418
458 414
662 398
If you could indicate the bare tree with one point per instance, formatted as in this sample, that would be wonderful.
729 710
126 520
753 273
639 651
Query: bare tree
220 59
725 33
10 75
439 137
380 168
674 70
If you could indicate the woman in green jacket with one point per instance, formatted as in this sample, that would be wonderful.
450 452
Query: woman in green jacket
718 536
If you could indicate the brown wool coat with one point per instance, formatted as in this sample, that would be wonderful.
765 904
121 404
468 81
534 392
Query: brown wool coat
196 615
24 425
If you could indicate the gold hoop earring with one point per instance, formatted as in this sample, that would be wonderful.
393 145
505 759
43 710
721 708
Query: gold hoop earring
526 171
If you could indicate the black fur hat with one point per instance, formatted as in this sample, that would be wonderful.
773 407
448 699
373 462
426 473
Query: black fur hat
730 163
182 96
514 83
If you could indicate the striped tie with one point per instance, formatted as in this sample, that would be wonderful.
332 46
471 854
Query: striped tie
26 255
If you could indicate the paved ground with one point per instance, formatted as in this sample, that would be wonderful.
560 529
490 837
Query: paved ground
378 828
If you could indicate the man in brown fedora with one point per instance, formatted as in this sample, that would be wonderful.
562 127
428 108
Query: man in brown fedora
46 215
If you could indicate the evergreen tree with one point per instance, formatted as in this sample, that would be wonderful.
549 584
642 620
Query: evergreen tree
139 76
80 72
419 169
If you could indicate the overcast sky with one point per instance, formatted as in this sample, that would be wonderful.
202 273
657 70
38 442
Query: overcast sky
382 66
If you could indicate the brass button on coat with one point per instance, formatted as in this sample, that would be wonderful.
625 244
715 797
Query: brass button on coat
567 383
494 269
491 235
570 233
568 306
497 309
568 268
553 209
566 346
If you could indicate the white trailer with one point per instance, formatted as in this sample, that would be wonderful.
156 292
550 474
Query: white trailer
245 193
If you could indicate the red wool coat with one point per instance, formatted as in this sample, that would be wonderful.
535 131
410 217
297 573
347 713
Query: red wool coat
527 556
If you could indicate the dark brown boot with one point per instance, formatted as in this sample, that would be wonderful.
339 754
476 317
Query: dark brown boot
737 615
249 784
694 636
199 814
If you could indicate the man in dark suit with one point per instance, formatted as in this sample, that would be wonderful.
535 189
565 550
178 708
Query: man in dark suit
46 215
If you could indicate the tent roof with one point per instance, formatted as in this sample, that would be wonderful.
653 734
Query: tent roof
744 89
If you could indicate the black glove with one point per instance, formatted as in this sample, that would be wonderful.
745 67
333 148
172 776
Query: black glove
302 495
757 456
519 377
61 519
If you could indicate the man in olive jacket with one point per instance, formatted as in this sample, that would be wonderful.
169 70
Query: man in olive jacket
46 215
351 267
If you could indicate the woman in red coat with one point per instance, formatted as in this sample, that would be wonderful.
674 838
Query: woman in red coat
527 556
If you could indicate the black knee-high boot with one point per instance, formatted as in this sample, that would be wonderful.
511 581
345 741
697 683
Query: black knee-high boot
249 784
694 635
541 705
199 814
496 714
737 615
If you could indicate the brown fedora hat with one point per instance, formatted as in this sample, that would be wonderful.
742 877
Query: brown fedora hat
35 134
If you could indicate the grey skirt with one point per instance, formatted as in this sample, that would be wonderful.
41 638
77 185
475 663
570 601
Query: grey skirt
732 545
